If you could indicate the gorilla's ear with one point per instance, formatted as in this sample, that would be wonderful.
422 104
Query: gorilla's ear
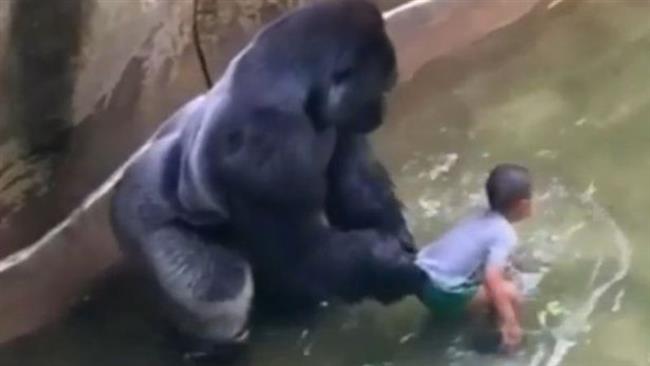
315 105
342 75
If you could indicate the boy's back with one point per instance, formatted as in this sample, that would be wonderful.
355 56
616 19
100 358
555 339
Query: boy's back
459 257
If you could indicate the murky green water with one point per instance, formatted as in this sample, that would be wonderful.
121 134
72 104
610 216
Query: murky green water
568 94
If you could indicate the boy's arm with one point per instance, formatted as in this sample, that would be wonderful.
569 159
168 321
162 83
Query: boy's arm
500 291
498 288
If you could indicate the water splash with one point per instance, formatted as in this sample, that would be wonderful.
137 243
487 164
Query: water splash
618 301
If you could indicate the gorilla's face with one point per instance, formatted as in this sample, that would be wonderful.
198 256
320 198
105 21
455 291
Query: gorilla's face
359 87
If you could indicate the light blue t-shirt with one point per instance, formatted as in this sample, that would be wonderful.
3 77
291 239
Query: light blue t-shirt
460 256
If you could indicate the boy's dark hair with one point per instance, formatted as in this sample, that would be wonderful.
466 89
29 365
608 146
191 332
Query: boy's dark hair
506 184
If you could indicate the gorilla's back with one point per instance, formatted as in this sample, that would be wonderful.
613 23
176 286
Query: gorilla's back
149 193
138 205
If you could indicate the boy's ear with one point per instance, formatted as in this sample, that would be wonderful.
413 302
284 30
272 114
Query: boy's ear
524 207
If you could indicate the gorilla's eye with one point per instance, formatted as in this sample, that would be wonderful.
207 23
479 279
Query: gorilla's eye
342 75
234 141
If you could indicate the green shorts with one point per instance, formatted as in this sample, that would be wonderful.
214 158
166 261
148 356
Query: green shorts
447 303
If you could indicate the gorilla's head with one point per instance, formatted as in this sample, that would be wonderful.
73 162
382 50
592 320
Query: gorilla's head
334 56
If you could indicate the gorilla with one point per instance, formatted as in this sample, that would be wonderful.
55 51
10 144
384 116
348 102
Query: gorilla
266 185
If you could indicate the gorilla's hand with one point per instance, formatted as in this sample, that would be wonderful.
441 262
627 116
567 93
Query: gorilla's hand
392 271
399 280
360 264
406 240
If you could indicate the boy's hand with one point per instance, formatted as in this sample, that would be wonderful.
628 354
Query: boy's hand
512 335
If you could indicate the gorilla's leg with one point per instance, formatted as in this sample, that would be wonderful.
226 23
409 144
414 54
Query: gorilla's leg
360 194
206 288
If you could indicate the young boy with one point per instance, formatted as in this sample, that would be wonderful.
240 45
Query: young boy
467 265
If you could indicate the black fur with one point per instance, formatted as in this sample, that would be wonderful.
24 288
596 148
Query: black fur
271 172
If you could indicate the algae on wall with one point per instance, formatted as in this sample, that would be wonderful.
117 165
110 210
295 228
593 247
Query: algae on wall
48 54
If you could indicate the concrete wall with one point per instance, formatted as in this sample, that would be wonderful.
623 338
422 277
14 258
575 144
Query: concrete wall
76 101
84 82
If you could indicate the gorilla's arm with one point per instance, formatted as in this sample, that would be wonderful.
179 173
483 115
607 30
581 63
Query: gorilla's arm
375 265
360 192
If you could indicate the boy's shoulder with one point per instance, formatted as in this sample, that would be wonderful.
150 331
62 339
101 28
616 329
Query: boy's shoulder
499 227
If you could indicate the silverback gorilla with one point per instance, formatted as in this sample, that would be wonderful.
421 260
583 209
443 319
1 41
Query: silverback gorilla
267 181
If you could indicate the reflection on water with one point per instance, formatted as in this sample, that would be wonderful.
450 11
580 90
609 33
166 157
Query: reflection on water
567 94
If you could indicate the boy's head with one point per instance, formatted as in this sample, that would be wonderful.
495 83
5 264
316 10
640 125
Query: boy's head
509 191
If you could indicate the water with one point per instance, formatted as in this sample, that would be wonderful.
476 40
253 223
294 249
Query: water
566 93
